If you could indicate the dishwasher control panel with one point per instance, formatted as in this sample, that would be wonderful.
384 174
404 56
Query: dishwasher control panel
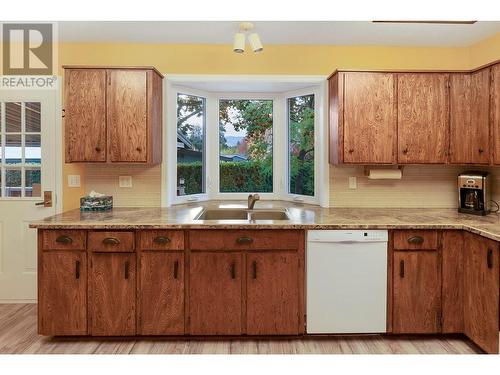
347 235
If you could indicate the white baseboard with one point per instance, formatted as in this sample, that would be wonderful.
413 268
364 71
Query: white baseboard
5 301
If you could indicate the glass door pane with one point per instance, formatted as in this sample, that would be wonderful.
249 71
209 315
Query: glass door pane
20 146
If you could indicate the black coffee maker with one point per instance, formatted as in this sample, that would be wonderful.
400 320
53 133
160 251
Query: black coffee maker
473 193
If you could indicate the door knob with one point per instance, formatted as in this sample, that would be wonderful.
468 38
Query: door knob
47 199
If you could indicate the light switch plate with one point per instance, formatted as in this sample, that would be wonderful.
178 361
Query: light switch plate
353 183
74 180
125 181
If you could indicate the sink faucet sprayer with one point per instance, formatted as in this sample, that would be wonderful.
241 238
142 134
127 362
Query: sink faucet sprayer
252 198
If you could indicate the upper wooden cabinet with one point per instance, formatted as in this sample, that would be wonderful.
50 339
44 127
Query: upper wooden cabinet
469 117
113 115
423 114
369 118
495 111
415 117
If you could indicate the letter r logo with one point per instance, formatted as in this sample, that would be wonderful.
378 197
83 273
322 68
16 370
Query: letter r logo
27 49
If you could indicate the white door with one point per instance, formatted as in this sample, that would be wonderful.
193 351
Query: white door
27 169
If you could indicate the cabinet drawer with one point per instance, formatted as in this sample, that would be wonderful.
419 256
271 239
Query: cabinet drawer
64 240
161 240
415 239
111 242
244 239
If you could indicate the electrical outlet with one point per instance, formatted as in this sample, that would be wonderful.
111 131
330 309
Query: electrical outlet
353 183
74 180
125 181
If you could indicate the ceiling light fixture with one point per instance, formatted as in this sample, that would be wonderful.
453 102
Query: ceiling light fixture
253 39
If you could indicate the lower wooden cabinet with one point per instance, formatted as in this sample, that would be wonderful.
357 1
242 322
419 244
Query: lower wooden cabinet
112 294
62 305
417 292
215 293
481 291
161 293
273 293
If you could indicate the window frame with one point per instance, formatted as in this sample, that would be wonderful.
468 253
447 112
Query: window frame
174 86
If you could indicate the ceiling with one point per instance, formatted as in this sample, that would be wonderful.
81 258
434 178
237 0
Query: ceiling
280 32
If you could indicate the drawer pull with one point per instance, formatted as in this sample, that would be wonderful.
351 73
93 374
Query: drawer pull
64 240
77 269
416 240
489 258
244 240
126 270
111 241
161 240
176 269
402 269
233 270
254 269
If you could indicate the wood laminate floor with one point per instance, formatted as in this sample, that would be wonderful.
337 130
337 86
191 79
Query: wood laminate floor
18 335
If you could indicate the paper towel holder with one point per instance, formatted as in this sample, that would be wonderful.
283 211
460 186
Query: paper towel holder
366 170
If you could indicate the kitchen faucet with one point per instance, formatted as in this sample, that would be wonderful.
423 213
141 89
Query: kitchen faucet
252 198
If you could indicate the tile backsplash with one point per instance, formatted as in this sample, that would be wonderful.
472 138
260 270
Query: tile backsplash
420 186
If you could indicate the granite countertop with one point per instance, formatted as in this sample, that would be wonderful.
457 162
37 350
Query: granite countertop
302 216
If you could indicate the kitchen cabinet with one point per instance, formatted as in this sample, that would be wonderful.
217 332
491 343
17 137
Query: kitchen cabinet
62 307
423 112
470 117
416 291
112 294
495 111
369 118
215 293
161 293
113 114
273 293
85 115
481 291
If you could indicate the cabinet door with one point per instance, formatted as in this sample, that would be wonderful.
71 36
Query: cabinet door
161 293
273 293
62 306
215 294
495 111
127 115
112 294
469 117
85 115
369 118
422 118
481 274
417 292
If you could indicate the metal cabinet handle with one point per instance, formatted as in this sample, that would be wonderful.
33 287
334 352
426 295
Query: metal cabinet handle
481 150
405 151
63 113
126 269
64 239
351 150
244 240
416 240
233 270
111 241
402 269
161 240
489 258
77 269
254 269
176 269
98 149
139 149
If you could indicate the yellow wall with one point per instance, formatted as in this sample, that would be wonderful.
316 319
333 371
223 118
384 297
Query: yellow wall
275 59
485 51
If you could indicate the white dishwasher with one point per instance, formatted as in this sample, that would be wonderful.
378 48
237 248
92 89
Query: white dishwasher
346 281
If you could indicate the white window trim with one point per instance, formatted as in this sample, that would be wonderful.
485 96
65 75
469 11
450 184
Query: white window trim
173 86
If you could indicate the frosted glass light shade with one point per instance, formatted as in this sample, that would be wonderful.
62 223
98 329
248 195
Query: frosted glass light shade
255 42
239 43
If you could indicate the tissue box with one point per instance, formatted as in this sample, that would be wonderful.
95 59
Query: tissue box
104 203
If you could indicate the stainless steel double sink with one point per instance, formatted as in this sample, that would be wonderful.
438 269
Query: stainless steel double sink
222 214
